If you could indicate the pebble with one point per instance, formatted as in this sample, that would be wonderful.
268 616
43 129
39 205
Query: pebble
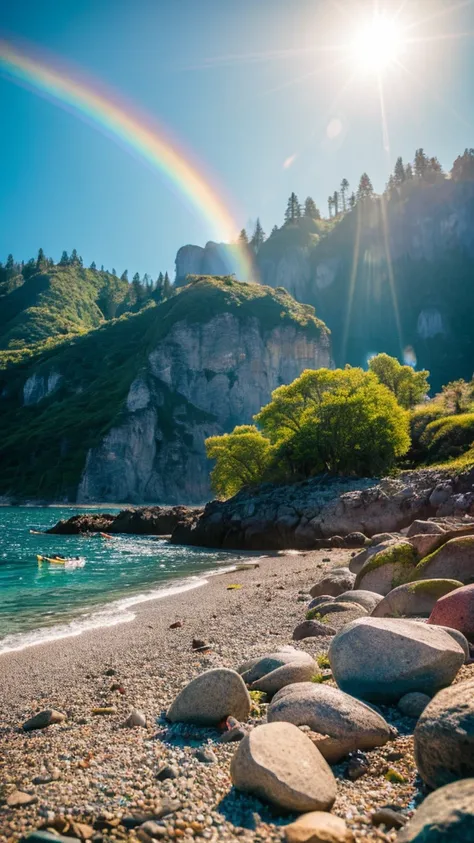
19 799
205 755
389 818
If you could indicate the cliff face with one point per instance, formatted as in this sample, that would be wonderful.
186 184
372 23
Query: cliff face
207 378
394 278
122 414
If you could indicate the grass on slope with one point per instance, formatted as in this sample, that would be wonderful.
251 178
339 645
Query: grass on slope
43 447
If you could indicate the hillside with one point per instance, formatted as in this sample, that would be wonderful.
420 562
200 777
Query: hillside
121 413
393 275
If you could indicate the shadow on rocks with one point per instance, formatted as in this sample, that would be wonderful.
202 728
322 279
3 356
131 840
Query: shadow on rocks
246 811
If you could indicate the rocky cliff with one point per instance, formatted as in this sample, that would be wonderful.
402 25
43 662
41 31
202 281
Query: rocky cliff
393 277
122 414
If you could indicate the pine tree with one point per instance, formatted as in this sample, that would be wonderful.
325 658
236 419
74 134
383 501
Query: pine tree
274 231
158 292
335 201
124 275
421 163
75 260
166 286
10 267
64 259
102 269
352 201
243 238
258 237
399 173
365 189
330 203
114 271
463 167
408 172
344 189
40 260
293 209
391 186
93 265
310 209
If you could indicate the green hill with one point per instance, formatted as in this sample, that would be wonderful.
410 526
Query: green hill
60 399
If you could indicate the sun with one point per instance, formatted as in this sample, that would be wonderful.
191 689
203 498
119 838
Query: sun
377 44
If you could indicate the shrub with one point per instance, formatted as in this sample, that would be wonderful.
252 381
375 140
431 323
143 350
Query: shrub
408 386
449 436
242 458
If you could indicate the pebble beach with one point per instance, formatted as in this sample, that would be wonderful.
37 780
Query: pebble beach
92 778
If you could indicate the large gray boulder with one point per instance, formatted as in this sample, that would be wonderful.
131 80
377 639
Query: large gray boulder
331 712
312 629
278 763
273 671
446 815
454 560
334 583
388 568
367 599
444 736
414 599
427 528
210 698
381 659
358 561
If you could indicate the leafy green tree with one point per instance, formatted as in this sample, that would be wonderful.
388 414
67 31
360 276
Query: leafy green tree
344 189
242 458
458 396
463 167
408 386
258 237
310 209
365 190
293 209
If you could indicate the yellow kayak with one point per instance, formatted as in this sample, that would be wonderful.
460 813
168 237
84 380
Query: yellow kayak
54 560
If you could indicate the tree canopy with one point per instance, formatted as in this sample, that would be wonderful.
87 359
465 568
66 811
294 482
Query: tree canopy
408 386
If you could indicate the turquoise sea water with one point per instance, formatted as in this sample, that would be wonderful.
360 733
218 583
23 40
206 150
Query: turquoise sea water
41 602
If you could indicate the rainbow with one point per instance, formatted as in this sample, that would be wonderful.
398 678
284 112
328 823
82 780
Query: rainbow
136 132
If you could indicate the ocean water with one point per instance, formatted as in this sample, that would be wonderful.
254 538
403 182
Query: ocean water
45 602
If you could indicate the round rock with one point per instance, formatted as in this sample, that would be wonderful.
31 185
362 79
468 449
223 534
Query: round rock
387 568
210 698
278 763
318 827
414 599
273 671
444 736
312 629
333 583
381 659
367 599
412 705
348 722
452 561
445 815
456 610
43 719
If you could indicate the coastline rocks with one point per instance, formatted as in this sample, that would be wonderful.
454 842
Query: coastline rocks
367 599
318 601
273 671
388 568
413 704
334 583
346 723
311 629
150 520
210 698
427 528
456 610
414 599
43 719
381 659
444 736
447 814
279 764
318 827
454 560
357 562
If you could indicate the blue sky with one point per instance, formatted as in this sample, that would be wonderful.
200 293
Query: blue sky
247 86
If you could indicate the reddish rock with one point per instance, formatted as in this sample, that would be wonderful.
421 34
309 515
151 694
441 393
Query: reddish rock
456 610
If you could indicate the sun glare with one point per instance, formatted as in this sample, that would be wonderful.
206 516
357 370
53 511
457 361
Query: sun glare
377 44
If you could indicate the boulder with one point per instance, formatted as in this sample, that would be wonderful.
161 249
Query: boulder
273 671
456 610
425 543
279 764
388 568
412 705
349 723
428 528
444 736
381 659
311 629
43 719
355 540
454 560
337 607
318 601
414 599
333 583
446 815
318 827
210 698
367 599
461 639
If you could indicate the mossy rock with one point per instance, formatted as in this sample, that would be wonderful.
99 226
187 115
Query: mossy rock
414 599
387 569
454 560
